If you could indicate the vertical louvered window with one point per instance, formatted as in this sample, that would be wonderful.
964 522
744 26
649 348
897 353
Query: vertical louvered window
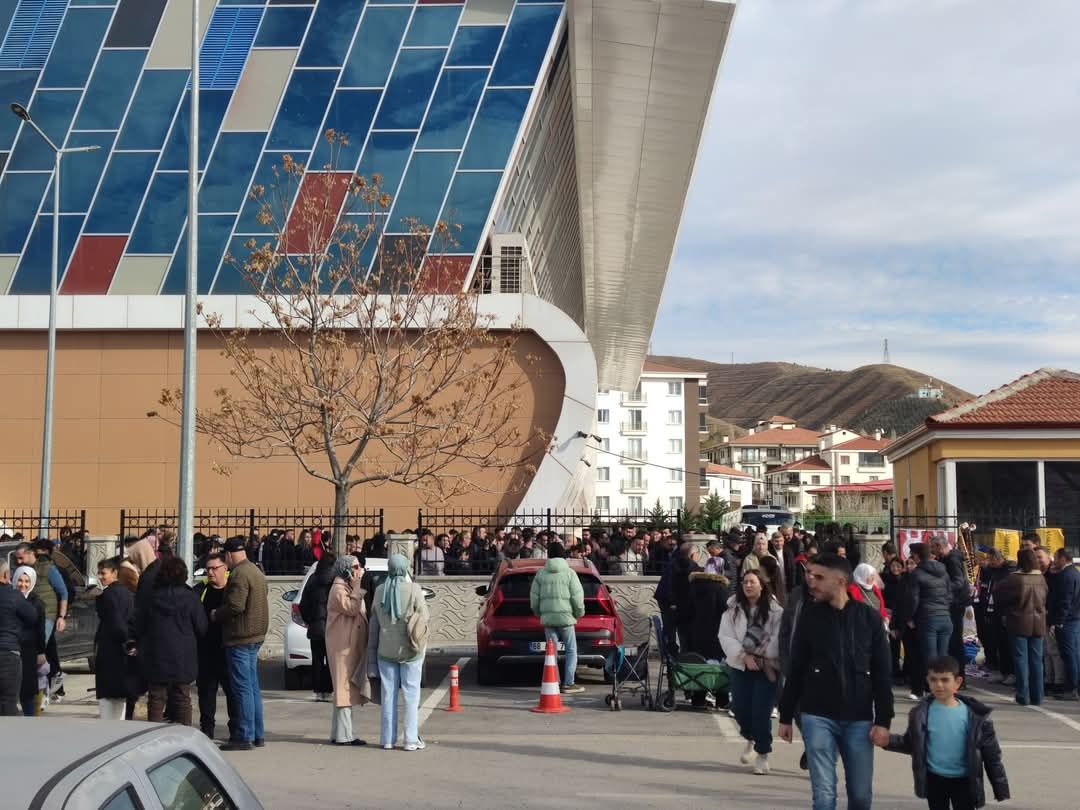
32 33
226 45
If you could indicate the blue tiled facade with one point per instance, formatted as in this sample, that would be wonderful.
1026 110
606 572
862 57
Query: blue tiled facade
431 97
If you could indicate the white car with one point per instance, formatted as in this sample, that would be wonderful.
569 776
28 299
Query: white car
297 649
66 762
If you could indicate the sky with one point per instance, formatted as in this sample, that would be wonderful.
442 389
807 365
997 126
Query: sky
900 169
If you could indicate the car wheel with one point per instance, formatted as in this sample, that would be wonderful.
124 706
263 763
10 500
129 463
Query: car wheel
293 678
487 671
91 664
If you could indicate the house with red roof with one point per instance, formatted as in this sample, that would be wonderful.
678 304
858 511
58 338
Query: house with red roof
1009 458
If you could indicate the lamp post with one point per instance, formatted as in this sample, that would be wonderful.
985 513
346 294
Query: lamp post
50 355
186 528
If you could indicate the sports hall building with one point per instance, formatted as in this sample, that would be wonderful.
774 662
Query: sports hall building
560 136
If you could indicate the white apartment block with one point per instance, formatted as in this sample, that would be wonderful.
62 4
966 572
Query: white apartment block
649 446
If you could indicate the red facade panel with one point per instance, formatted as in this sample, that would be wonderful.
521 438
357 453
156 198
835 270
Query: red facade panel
93 264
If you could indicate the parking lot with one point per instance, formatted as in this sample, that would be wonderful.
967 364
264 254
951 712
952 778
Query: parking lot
497 753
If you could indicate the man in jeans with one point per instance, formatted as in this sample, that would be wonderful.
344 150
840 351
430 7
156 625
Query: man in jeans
245 617
930 590
840 679
557 598
1063 613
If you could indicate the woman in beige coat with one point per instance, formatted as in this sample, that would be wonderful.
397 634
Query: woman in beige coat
346 647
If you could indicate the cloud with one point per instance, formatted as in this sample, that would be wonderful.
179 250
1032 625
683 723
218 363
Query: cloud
882 168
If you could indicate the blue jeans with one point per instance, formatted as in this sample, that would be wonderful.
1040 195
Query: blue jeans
1028 663
403 675
753 696
935 632
50 625
1068 639
824 738
569 639
243 663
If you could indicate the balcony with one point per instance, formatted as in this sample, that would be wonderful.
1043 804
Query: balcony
630 457
633 428
634 398
634 487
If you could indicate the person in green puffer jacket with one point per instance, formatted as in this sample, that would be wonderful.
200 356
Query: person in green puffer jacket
558 599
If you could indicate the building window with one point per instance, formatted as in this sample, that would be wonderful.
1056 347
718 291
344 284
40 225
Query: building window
703 478
603 473
874 477
510 268
674 446
674 389
703 395
772 453
603 503
603 416
676 475
845 479
674 417
815 480
871 460
635 480
675 504
636 420
634 450
633 504
845 459
702 424
605 445
884 501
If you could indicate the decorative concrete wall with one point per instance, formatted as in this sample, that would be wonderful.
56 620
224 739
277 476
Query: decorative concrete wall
455 608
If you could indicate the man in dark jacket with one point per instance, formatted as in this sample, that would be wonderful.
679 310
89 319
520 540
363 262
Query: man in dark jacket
708 595
17 618
213 671
987 618
1063 613
839 678
682 566
931 595
313 612
959 594
115 678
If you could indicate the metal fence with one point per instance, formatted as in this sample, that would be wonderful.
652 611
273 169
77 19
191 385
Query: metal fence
995 528
29 523
250 522
449 557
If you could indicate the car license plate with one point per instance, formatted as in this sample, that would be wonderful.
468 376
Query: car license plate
541 646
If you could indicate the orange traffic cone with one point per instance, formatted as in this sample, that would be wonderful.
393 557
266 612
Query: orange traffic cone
455 696
550 697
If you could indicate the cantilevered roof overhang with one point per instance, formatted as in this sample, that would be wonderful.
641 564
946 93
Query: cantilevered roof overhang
644 72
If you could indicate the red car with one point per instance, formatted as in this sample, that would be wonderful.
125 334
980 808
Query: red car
509 632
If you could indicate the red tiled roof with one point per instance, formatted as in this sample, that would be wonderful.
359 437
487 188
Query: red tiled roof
1048 397
800 437
720 469
870 486
787 419
863 443
808 463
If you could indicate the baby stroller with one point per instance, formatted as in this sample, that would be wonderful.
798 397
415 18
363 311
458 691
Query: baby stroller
682 674
628 670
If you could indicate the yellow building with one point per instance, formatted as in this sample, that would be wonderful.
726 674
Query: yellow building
1009 458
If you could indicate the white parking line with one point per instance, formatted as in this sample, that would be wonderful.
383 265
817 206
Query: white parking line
436 697
1068 721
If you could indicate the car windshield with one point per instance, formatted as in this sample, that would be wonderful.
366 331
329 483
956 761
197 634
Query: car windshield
517 586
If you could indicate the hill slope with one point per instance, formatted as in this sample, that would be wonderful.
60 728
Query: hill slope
743 393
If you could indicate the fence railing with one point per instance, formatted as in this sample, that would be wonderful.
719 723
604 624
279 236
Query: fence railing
250 522
30 524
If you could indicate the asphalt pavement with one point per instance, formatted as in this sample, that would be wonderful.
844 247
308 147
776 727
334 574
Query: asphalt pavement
496 753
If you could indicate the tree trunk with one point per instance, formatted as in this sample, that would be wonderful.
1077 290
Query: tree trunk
341 511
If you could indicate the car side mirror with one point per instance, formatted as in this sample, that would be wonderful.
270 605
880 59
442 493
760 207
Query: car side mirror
482 590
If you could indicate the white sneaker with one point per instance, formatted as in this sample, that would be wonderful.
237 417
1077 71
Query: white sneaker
419 745
775 713
913 696
761 764
388 748
747 755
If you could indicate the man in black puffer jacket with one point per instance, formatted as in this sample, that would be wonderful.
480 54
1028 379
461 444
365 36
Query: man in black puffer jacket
709 595
959 594
930 591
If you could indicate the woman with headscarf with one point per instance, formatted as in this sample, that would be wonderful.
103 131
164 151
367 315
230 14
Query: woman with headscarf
31 640
864 588
346 644
398 601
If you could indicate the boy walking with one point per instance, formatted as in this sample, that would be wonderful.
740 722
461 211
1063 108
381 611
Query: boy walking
951 740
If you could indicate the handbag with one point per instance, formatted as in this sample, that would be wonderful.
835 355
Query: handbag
418 626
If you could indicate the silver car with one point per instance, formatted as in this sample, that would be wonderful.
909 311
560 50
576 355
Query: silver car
84 764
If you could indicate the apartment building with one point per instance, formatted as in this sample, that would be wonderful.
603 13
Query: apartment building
729 484
649 446
771 444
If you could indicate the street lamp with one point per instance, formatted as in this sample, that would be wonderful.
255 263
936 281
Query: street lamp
50 357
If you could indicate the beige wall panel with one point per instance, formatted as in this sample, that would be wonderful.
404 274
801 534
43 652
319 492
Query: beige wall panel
172 46
7 270
127 440
120 485
130 396
134 352
486 12
261 85
140 275
74 483
76 441
24 353
24 396
21 440
18 482
78 396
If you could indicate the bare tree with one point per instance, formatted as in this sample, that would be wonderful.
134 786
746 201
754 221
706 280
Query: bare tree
369 364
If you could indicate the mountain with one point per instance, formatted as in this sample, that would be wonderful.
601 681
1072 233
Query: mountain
743 393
